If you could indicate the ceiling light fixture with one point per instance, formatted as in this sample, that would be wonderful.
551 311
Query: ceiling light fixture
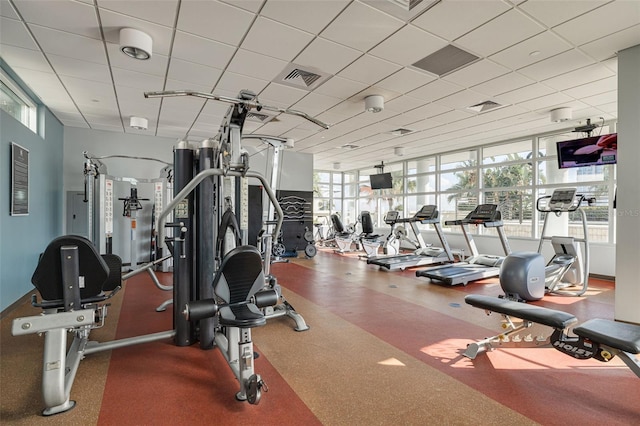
139 123
135 43
336 166
374 103
399 151
561 114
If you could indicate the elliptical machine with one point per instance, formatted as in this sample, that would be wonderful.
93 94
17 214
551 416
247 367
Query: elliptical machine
567 273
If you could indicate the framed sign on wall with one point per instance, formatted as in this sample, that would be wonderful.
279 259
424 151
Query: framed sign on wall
19 180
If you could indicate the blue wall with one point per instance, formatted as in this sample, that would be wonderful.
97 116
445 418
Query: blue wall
23 238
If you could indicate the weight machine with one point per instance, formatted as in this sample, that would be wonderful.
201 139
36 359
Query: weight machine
220 289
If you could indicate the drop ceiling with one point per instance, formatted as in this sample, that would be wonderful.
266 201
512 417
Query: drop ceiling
533 56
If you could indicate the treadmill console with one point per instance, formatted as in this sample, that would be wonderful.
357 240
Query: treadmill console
391 217
562 200
484 213
427 213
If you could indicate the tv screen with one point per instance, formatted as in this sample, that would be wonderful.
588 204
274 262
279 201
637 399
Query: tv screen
593 150
381 181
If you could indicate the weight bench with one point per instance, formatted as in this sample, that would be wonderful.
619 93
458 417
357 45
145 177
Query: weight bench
596 338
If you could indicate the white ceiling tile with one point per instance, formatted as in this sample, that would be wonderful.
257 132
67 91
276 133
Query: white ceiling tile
403 103
552 13
524 94
361 27
180 111
327 56
18 57
435 90
113 22
138 80
64 15
69 116
186 85
244 62
535 49
214 20
215 109
506 30
308 15
579 77
427 111
610 45
45 85
547 101
504 83
74 123
201 75
133 99
274 39
200 50
156 65
369 70
14 33
7 11
87 92
281 96
462 99
559 64
593 88
405 80
250 5
617 15
81 69
160 12
234 83
69 45
469 14
408 46
339 87
476 73
601 99
315 103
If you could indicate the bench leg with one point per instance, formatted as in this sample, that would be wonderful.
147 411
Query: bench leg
59 370
631 360
503 340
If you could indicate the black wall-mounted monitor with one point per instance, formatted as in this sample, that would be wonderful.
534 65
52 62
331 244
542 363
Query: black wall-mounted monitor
593 150
381 181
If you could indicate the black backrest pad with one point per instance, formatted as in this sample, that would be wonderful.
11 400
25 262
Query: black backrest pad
337 223
367 223
114 263
240 275
47 277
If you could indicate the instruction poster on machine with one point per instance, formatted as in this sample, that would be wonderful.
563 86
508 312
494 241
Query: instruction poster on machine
19 180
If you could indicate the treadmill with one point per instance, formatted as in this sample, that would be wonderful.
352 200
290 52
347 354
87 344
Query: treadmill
478 266
423 255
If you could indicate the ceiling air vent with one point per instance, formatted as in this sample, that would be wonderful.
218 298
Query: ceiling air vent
446 60
401 132
484 106
259 117
307 78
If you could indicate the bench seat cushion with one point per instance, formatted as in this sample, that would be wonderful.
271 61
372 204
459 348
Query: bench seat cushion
537 314
619 335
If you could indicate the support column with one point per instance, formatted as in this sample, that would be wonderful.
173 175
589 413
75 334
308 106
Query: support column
627 293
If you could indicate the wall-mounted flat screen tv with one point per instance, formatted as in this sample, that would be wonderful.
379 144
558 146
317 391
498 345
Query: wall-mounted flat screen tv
381 181
590 151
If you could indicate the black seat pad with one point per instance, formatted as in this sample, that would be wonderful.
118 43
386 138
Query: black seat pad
619 335
537 314
243 316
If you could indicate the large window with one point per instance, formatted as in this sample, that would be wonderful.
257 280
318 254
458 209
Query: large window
16 103
511 174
